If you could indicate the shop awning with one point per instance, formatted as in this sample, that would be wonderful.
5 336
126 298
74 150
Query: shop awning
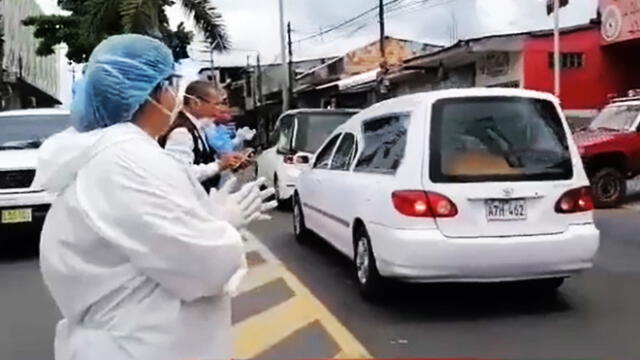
352 81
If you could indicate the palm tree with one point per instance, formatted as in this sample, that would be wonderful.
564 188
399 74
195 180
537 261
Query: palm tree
149 17
91 21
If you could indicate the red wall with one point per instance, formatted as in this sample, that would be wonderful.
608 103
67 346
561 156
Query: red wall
588 87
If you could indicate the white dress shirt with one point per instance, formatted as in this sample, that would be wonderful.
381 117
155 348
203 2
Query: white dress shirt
180 145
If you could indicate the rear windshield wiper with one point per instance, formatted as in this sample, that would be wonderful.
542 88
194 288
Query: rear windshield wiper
607 128
22 145
11 147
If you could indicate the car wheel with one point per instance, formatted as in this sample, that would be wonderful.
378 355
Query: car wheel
546 285
370 283
283 204
609 188
302 234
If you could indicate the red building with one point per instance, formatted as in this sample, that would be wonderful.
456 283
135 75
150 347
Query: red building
591 72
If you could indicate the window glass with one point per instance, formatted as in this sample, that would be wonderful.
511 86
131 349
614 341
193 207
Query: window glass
498 139
384 144
616 118
284 134
344 153
314 128
324 155
29 131
567 60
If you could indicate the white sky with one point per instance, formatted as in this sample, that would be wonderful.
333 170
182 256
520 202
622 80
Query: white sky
253 24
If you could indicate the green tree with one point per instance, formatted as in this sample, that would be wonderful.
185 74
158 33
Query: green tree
91 21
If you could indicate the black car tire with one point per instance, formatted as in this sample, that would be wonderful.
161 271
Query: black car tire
283 204
609 188
300 231
545 285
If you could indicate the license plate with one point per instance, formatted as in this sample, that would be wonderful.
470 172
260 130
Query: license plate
16 216
506 210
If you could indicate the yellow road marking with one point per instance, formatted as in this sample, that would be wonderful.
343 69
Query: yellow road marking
341 355
260 275
262 331
347 342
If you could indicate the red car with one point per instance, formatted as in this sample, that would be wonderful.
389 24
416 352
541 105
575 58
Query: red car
610 149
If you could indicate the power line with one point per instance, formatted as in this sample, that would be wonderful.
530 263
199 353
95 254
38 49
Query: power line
426 4
347 22
360 21
417 4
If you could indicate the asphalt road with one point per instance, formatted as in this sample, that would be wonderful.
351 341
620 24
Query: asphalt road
594 316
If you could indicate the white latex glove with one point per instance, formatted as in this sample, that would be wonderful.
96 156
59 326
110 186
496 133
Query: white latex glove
245 134
264 195
244 206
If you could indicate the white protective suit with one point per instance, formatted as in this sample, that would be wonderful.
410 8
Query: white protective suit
131 252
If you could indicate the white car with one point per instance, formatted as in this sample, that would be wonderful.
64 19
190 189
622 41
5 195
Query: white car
474 185
22 207
296 136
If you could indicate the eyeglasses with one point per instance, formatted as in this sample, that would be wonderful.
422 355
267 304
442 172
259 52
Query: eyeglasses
223 101
171 82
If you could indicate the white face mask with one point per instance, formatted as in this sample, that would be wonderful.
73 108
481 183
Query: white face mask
176 109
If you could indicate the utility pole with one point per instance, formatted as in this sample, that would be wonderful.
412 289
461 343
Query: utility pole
283 55
252 81
212 64
290 68
259 80
556 47
382 31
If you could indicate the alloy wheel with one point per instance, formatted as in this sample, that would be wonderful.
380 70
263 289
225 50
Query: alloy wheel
362 260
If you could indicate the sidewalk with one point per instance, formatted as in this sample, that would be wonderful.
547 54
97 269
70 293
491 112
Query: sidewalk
276 317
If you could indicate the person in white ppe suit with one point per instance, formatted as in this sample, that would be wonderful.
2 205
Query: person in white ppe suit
138 258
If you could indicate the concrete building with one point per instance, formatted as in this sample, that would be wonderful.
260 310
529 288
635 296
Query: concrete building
353 80
27 80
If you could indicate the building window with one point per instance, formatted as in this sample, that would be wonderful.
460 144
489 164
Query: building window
568 60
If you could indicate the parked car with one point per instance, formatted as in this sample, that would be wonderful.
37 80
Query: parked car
296 136
23 207
475 185
610 149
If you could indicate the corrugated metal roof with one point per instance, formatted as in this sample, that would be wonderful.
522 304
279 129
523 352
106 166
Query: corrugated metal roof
353 81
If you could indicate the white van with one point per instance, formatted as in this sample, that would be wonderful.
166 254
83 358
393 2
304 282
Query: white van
473 185
22 207
296 136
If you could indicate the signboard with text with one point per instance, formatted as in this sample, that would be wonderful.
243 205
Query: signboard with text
620 20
